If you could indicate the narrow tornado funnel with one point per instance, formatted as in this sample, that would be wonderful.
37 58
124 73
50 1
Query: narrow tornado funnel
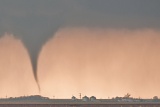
34 61
34 47
35 28
34 44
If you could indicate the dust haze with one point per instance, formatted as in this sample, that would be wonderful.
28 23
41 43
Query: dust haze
92 61
101 62
16 77
35 22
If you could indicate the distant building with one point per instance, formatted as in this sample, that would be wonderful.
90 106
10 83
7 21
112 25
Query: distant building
85 98
73 98
92 98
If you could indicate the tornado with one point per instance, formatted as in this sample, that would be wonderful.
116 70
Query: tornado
35 35
34 44
34 47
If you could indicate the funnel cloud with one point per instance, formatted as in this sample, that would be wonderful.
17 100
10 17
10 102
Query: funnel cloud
16 75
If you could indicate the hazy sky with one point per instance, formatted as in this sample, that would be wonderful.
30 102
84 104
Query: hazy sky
101 62
34 22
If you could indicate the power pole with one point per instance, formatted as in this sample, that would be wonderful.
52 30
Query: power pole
80 95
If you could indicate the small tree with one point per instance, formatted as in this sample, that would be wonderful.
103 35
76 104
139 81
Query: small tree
127 95
155 97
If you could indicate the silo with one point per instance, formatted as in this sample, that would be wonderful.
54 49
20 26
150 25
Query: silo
73 98
85 98
92 98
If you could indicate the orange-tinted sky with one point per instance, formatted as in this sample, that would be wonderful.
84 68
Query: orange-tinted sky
16 78
101 62
91 47
92 61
